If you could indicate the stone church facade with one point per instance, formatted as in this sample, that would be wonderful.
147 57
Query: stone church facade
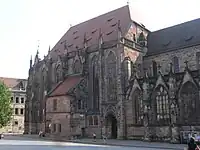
112 76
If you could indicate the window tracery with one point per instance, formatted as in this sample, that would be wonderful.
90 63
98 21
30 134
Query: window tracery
111 77
138 106
162 106
95 82
189 96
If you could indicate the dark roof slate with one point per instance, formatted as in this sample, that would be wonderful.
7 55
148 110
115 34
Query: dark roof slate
90 30
175 37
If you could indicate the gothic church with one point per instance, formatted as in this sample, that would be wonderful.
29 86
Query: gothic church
112 76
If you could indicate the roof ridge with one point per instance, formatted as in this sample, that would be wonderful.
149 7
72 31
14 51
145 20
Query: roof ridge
54 47
174 26
100 15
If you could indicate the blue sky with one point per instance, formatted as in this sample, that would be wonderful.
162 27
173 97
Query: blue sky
24 22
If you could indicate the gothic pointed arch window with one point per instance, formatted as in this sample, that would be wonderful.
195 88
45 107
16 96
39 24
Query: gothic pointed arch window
77 66
155 69
162 105
58 73
189 100
43 81
95 83
137 107
111 77
175 62
90 120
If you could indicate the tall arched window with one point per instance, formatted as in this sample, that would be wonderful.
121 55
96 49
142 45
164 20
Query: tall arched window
58 73
95 83
90 120
189 101
77 67
155 70
111 77
162 106
176 64
137 106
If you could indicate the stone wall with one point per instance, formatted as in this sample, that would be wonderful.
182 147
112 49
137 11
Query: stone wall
60 116
134 132
165 59
63 104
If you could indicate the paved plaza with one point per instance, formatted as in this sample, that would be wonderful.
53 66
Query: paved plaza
21 142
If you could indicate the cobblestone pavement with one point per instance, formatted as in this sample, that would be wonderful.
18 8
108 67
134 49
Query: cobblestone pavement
126 144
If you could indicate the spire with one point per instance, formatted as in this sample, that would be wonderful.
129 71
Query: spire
37 53
128 2
119 30
100 38
49 49
31 61
85 40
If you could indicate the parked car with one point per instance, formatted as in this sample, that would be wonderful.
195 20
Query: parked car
1 136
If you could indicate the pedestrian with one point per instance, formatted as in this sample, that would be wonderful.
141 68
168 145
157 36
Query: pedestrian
104 138
94 137
192 145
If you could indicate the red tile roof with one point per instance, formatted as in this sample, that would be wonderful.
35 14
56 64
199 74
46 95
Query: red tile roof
10 82
63 87
90 30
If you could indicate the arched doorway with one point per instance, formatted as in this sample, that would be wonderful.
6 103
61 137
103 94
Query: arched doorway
111 126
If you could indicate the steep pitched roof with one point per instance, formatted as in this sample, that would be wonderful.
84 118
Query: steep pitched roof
63 87
10 82
175 37
90 30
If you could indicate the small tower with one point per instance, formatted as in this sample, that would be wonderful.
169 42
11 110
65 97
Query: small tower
37 55
31 61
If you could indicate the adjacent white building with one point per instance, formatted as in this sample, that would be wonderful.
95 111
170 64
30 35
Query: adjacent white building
18 98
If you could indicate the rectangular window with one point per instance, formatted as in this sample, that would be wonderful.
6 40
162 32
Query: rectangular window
16 123
17 99
16 111
55 104
22 111
11 99
22 100
54 127
59 128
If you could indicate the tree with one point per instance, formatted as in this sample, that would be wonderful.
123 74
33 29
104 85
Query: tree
5 105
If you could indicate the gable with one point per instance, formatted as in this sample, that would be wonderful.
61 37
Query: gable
89 31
